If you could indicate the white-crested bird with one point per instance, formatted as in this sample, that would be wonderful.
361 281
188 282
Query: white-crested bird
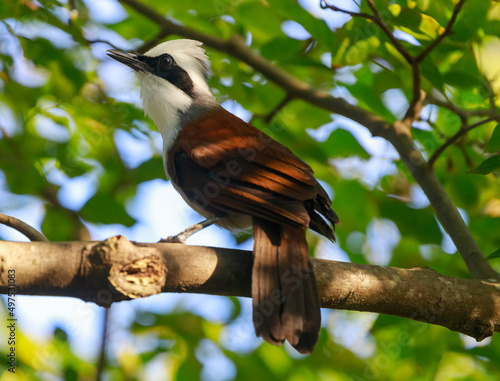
236 176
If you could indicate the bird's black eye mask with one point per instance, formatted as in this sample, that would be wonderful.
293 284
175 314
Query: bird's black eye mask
164 66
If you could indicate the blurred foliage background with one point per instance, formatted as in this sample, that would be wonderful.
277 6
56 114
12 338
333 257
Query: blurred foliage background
79 161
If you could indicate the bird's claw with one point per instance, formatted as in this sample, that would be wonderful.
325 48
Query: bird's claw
173 239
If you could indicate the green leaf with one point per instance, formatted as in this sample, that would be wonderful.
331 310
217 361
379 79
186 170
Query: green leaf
360 51
385 80
58 224
465 190
427 138
261 19
417 24
491 164
354 205
149 170
341 143
70 161
494 143
318 28
104 209
398 57
282 48
418 223
362 90
461 79
495 254
432 74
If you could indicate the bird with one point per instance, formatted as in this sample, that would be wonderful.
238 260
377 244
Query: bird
237 177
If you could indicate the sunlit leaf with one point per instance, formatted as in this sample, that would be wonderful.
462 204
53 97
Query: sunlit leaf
490 165
420 25
342 143
419 223
105 209
431 72
494 143
495 254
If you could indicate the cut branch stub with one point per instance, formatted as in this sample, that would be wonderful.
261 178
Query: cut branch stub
134 271
140 278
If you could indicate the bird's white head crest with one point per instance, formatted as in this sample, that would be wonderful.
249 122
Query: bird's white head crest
187 53
173 77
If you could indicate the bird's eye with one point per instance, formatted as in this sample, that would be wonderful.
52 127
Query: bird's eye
166 61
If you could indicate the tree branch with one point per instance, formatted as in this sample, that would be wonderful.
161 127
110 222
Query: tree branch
418 95
3 132
377 20
22 227
454 138
100 41
447 31
462 113
266 118
397 133
323 4
82 270
101 364
415 106
153 41
397 44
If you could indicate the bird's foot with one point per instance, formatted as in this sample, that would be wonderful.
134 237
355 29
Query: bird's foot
173 239
184 235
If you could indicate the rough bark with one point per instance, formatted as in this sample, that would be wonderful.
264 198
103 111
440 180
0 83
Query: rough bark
89 271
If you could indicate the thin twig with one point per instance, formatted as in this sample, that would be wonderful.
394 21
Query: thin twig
99 41
455 137
462 113
9 28
101 364
72 8
266 119
447 31
435 127
491 95
324 5
468 160
152 42
377 20
418 96
397 43
22 227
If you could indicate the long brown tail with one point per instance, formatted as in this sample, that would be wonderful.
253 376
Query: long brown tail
284 292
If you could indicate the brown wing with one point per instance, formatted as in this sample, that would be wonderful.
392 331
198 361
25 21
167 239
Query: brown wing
230 167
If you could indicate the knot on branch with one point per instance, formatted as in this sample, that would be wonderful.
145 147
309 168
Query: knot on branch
134 271
139 278
482 329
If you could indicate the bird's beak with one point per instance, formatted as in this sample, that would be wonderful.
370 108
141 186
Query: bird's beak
129 59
